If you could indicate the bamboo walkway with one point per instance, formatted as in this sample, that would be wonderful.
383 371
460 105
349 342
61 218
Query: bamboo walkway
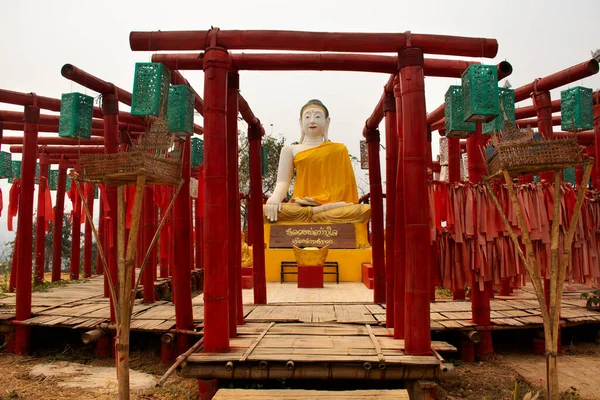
82 306
287 394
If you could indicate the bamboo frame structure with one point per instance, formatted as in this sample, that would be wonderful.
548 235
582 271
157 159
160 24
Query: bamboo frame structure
558 265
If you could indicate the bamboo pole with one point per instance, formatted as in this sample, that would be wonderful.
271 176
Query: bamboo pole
178 362
122 361
125 269
531 264
551 367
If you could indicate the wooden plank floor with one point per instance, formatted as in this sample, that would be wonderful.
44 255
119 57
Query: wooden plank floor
82 305
318 343
287 394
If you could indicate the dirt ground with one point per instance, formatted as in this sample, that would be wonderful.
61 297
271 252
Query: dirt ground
491 380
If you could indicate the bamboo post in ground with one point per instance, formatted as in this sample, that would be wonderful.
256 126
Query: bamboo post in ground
125 272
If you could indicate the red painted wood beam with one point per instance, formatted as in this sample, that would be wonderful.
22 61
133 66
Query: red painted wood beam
256 209
91 82
96 84
378 255
149 210
41 218
529 111
233 208
437 115
312 41
557 79
216 308
62 149
58 220
75 265
25 229
87 236
399 225
51 121
532 122
248 115
315 62
377 115
585 138
391 161
45 140
417 336
47 103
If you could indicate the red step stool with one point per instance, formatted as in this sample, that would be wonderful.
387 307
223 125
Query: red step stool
310 276
367 275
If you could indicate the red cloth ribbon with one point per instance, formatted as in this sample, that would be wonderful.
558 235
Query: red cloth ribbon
200 200
129 199
1 203
46 211
13 202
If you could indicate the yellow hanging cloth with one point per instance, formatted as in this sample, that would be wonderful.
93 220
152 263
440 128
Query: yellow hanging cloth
324 173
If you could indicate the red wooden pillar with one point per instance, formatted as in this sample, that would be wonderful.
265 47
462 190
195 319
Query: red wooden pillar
40 232
76 233
171 239
391 161
25 227
200 220
480 299
597 139
165 236
110 111
399 226
454 177
233 209
149 210
373 139
256 210
59 210
216 308
182 274
417 336
99 265
87 236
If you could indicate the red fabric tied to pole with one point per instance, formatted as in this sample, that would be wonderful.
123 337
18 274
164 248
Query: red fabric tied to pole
13 202
161 199
76 201
46 211
1 203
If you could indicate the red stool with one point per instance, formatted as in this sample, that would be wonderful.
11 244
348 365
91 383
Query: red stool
310 276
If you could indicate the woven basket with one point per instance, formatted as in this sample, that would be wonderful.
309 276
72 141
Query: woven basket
124 168
532 157
311 257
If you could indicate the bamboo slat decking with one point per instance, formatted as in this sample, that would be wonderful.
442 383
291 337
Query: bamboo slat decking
287 394
82 305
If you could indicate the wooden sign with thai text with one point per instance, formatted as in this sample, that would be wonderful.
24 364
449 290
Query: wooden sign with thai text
336 236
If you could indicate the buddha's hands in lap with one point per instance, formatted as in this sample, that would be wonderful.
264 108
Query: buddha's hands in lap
306 201
272 208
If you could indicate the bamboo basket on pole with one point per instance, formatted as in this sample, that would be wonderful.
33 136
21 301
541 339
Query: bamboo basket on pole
153 160
521 155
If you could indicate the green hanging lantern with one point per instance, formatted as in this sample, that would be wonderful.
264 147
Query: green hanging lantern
53 179
76 111
480 93
180 110
507 111
150 90
197 150
576 109
16 171
264 160
454 113
569 175
5 164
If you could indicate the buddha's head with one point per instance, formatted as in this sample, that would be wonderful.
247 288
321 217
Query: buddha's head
314 120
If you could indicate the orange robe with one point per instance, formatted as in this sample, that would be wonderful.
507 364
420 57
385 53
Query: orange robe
324 173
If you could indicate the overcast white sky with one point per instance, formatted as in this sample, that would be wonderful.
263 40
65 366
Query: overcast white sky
38 37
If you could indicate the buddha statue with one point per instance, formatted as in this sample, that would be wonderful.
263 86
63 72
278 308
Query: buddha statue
325 186
246 253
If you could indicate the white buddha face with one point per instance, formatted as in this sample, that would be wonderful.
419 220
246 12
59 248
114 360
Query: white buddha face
313 122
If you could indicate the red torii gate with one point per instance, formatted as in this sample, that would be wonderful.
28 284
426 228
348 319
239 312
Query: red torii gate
217 61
